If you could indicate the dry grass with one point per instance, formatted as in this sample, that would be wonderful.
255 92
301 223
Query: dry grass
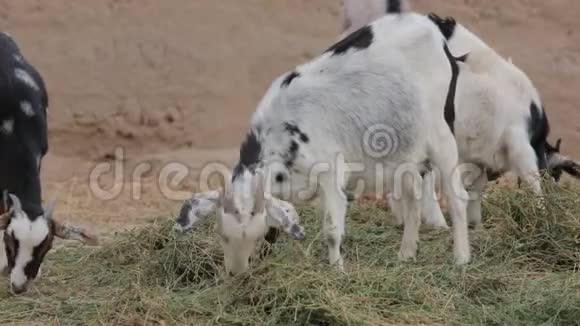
526 271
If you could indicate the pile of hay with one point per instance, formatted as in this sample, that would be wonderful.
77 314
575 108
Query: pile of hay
526 271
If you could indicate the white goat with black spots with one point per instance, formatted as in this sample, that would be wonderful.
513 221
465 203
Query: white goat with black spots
393 75
500 124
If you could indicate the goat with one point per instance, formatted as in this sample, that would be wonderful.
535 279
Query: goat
27 230
500 123
311 127
263 219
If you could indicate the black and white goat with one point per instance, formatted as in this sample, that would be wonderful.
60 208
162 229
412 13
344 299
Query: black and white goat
500 123
26 229
392 76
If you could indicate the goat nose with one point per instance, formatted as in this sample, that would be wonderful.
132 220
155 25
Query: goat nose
18 289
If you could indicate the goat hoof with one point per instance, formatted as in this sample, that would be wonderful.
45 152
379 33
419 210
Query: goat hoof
408 254
461 260
338 265
476 226
435 223
436 226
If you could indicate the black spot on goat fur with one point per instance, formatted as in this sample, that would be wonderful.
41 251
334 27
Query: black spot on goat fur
450 101
183 217
38 253
288 80
250 152
270 238
462 58
551 151
359 40
570 167
294 130
538 129
446 25
290 156
394 6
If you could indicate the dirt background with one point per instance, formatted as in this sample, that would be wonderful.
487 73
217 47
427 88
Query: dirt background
177 80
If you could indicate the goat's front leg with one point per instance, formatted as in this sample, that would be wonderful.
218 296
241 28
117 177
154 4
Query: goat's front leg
334 212
474 204
411 206
523 160
446 158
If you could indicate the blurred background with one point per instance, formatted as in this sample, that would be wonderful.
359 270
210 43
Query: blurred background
177 80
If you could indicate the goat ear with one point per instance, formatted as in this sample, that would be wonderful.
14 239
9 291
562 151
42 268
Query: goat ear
196 210
259 195
49 210
572 168
283 216
5 219
69 232
6 199
558 143
16 205
7 214
227 200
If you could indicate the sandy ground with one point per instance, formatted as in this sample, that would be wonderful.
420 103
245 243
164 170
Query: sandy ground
177 80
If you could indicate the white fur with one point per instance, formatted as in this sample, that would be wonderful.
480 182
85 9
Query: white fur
492 112
358 13
29 235
7 126
241 232
205 204
25 77
26 108
243 238
492 115
400 81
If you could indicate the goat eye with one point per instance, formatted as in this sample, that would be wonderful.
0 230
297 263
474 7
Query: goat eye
279 177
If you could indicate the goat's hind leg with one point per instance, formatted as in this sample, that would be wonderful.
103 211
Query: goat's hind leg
409 201
334 213
445 157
